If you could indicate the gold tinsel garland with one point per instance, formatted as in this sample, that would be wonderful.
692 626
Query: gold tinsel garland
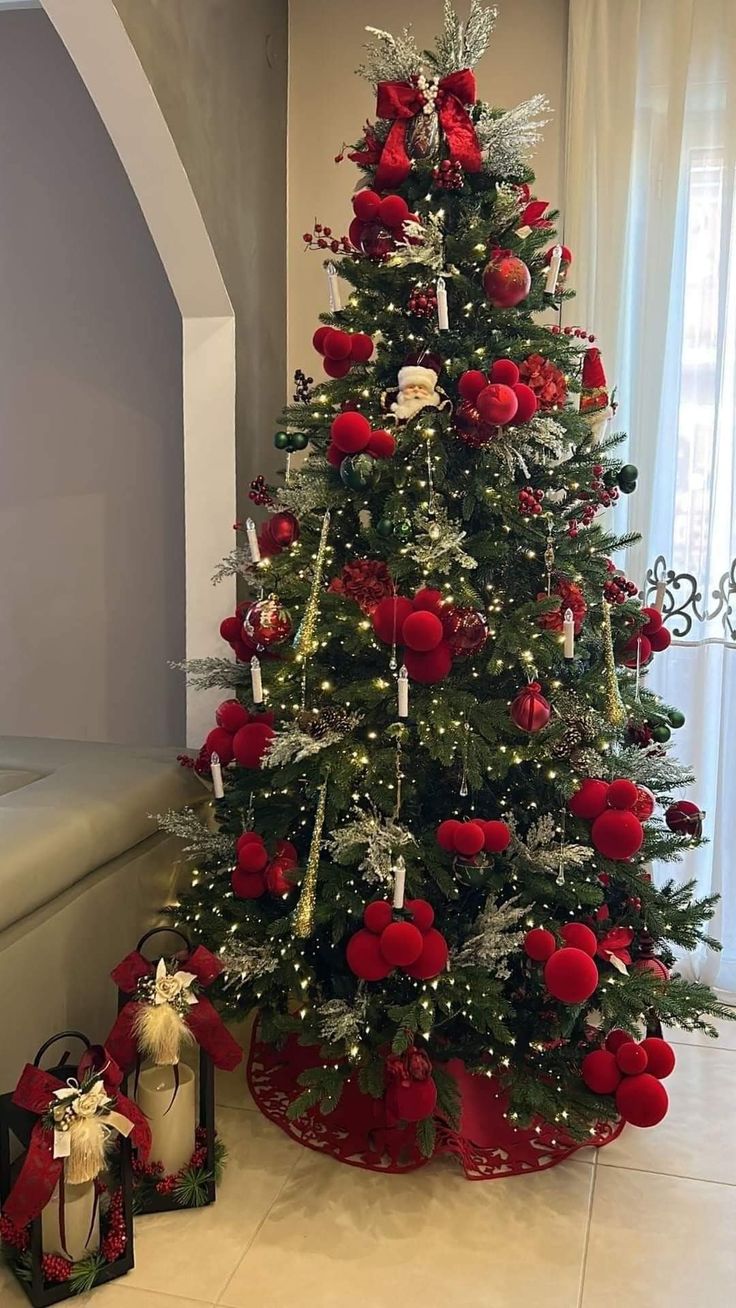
613 704
303 919
304 641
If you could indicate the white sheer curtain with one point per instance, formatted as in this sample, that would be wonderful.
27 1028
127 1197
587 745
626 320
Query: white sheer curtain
650 217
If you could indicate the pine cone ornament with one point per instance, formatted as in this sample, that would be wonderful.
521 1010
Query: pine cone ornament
329 720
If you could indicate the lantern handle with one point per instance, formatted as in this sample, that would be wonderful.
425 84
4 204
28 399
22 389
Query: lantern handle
61 1035
157 931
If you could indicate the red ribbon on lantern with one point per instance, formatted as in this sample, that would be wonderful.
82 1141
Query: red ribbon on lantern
202 1018
402 101
41 1172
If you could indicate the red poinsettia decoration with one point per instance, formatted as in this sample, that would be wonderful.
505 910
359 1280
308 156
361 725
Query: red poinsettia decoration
532 215
366 581
545 379
369 150
615 944
571 597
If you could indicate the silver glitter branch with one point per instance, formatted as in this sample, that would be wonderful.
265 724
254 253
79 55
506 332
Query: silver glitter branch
246 960
339 1020
508 140
462 45
543 440
291 744
238 563
204 674
507 208
307 490
431 250
542 850
495 936
199 841
380 835
439 543
649 767
390 58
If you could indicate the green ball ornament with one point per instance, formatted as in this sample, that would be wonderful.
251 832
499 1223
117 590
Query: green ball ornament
299 440
627 487
403 529
358 471
282 440
677 719
385 527
661 733
629 472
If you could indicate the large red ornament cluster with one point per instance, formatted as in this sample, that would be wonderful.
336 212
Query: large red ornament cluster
433 633
633 1072
570 973
340 350
647 641
258 871
473 836
612 807
403 939
351 433
378 224
492 400
239 735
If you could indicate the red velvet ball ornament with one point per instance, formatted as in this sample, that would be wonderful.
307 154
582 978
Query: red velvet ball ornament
336 344
654 620
382 445
622 794
277 882
579 936
231 716
570 975
412 1102
361 347
506 281
446 834
334 456
471 384
659 640
364 957
660 1055
283 528
617 834
506 371
366 205
247 838
429 668
685 818
628 653
497 404
600 1072
469 839
220 742
337 367
653 965
645 803
422 913
539 944
421 631
252 857
319 338
393 211
590 799
230 629
466 631
527 403
642 1100
350 432
267 623
433 958
377 916
389 617
250 743
401 943
616 1038
247 885
428 599
287 852
529 710
496 836
631 1058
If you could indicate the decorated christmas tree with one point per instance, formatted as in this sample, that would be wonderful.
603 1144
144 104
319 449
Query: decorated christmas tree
441 780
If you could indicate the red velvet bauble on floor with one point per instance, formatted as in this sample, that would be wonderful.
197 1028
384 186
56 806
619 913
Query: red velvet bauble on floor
642 1100
600 1072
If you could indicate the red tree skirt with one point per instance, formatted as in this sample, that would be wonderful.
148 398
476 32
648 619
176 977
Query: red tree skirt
358 1133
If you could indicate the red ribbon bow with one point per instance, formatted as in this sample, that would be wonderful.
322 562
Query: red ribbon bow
41 1172
202 1018
402 101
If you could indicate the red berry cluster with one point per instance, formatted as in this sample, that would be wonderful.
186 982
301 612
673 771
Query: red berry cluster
618 589
258 871
115 1238
432 633
302 386
239 735
570 974
403 938
17 1237
340 350
148 1171
423 302
633 1072
530 502
56 1269
448 175
600 496
259 491
473 836
572 331
322 239
167 1185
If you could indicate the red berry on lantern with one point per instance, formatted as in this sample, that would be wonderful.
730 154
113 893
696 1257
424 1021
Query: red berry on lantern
642 1100
570 976
617 834
506 281
539 944
529 710
600 1072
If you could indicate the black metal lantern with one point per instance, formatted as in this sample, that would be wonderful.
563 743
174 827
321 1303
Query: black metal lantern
172 1097
33 1183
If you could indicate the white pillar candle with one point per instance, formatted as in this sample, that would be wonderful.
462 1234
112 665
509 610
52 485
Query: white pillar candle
333 287
403 686
568 631
399 882
216 773
172 1123
554 270
252 536
79 1206
443 321
659 597
256 682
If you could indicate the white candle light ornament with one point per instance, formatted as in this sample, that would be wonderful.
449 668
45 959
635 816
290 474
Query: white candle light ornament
553 270
568 631
256 683
659 597
403 689
399 882
333 287
216 771
252 537
443 321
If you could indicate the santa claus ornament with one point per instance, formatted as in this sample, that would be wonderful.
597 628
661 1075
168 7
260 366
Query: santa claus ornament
417 390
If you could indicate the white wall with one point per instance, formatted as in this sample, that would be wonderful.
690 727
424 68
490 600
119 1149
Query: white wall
91 466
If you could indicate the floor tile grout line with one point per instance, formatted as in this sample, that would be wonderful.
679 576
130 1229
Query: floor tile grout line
586 1241
258 1229
676 1176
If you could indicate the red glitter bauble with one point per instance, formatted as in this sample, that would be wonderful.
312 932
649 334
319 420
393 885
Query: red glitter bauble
506 281
470 426
401 943
431 667
469 839
471 383
506 371
600 1072
433 958
377 915
247 885
466 631
539 944
283 528
685 818
250 743
660 1055
376 241
589 800
529 709
645 803
497 404
231 716
412 1102
267 623
617 834
579 936
622 794
570 976
389 616
642 1100
422 631
350 432
364 957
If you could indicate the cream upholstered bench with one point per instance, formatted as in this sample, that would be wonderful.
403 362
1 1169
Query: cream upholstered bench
83 872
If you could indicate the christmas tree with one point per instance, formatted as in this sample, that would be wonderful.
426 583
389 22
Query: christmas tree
445 780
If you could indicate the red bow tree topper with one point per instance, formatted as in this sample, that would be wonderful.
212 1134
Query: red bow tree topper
403 101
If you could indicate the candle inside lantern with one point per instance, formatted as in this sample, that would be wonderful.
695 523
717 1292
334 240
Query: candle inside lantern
333 287
256 682
216 772
553 271
568 632
443 320
403 688
171 1117
399 882
252 538
80 1221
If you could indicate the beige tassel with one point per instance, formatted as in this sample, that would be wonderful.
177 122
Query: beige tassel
160 1032
88 1137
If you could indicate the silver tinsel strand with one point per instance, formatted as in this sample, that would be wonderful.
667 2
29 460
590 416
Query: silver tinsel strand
495 936
462 45
507 141
199 841
439 544
380 835
341 1021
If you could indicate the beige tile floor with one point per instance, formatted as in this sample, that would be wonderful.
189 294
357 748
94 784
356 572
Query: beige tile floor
650 1219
